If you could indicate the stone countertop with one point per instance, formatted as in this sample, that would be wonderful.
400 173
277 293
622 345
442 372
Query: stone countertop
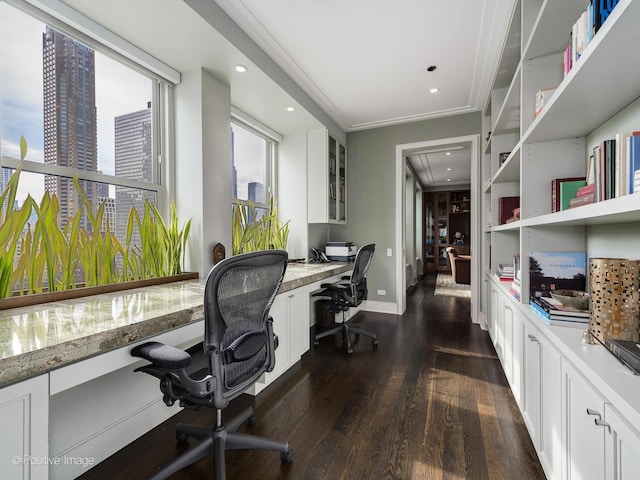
37 339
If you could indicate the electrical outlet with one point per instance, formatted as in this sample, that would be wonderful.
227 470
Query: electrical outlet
382 292
389 252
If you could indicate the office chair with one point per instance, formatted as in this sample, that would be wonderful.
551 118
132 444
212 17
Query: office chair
239 346
349 292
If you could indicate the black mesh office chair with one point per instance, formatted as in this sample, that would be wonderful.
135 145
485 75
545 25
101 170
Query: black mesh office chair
238 347
349 292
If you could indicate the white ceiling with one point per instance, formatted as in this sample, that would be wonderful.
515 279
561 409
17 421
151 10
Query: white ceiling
364 62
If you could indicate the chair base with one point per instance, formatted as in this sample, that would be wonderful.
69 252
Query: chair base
345 328
215 441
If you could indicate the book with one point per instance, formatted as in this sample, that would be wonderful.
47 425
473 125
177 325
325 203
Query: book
627 351
556 193
555 321
550 271
588 189
542 98
553 307
579 201
633 160
506 205
568 191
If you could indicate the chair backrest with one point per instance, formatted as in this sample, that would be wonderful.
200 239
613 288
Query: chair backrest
358 280
238 336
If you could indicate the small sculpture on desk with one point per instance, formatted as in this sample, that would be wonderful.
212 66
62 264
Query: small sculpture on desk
458 238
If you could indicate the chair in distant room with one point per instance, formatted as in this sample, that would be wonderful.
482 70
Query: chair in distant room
460 266
239 346
347 293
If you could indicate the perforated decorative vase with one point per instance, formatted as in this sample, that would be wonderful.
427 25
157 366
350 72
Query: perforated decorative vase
614 300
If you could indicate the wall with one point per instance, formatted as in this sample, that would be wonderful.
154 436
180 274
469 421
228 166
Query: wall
203 159
371 192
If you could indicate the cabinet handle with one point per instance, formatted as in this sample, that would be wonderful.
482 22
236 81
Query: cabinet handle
602 423
590 411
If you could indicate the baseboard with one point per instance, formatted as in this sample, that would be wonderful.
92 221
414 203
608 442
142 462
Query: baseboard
379 307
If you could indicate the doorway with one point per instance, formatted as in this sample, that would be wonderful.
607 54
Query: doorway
428 177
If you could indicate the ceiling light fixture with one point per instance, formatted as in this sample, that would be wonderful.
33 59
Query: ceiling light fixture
449 169
240 68
432 68
448 179
291 109
434 90
448 153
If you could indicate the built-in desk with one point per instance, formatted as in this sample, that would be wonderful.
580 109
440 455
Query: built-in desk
68 394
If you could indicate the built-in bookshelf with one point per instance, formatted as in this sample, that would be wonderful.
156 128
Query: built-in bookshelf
590 104
554 377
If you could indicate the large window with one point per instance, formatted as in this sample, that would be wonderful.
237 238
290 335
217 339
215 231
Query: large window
253 157
84 111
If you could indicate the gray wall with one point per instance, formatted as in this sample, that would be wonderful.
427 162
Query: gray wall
371 189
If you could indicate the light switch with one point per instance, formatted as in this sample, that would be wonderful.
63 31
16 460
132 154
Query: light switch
389 252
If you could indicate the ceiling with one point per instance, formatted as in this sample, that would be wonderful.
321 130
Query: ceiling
363 62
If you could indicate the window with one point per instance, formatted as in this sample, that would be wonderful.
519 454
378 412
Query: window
253 158
85 111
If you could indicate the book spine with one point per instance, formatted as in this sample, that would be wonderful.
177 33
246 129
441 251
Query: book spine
555 195
539 310
581 200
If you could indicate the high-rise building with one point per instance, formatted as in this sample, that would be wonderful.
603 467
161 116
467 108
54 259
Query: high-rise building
70 130
256 192
4 180
132 161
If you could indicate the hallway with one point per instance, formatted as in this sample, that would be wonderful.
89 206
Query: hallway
431 402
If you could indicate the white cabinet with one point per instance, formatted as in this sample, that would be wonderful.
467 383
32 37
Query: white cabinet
24 423
542 406
327 178
622 447
290 313
584 437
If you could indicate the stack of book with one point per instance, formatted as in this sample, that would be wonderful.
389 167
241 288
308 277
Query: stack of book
506 207
563 190
555 313
504 272
584 196
585 29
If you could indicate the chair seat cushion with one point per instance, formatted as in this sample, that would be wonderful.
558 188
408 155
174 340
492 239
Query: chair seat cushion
163 356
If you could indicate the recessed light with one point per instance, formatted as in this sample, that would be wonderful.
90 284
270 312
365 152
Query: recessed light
240 68
448 169
432 68
291 109
448 179
448 153
434 90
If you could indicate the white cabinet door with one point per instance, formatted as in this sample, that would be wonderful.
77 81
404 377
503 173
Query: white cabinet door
24 423
507 349
518 356
584 438
298 313
281 328
550 441
622 447
531 404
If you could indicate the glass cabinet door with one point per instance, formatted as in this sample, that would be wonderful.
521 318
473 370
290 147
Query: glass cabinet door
333 180
342 183
429 232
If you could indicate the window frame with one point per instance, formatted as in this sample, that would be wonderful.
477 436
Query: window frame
162 78
272 139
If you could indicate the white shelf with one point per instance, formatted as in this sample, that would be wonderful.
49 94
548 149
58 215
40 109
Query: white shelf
604 80
616 210
508 227
549 34
509 171
508 118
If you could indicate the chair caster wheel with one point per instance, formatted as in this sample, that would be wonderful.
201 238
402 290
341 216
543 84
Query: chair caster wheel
182 438
286 457
252 420
375 344
349 350
316 343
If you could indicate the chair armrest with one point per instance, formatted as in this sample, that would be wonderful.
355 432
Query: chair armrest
336 287
163 356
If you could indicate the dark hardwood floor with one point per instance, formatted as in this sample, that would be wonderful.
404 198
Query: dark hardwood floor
431 402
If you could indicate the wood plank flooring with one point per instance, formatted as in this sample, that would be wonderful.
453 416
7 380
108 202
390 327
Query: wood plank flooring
431 402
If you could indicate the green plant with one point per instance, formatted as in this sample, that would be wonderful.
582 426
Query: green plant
250 235
55 253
